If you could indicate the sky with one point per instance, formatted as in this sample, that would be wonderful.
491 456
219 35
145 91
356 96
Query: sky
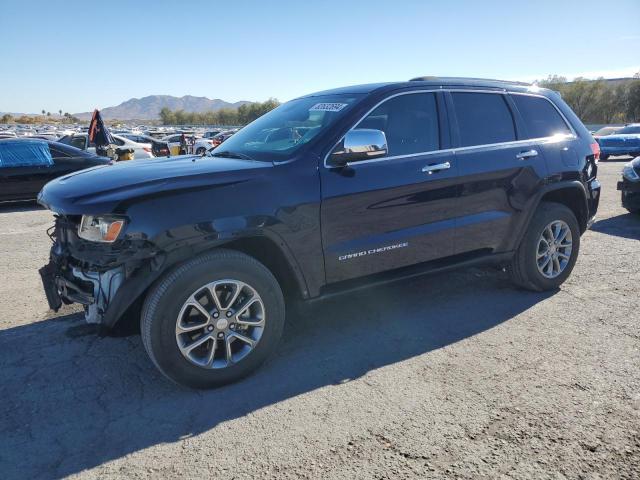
74 56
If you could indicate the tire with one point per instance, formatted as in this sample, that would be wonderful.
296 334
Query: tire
165 303
630 210
604 158
524 270
200 151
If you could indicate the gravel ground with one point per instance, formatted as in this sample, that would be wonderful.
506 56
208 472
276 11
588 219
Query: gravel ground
457 375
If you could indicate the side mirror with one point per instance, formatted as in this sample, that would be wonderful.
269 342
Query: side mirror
358 145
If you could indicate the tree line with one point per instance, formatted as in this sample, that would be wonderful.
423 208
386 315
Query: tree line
242 115
594 101
37 119
599 101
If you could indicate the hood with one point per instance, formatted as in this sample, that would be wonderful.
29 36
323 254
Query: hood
100 189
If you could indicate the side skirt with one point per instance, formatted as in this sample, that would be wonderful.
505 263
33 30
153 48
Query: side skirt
466 260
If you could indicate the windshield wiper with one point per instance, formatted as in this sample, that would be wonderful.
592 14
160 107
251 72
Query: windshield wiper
230 154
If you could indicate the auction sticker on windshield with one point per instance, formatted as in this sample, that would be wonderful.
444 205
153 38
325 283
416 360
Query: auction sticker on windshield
327 107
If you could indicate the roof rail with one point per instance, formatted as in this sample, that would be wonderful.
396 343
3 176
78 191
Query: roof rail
428 78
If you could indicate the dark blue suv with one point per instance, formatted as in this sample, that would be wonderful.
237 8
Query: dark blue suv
326 193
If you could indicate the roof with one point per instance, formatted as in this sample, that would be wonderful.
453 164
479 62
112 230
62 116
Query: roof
429 82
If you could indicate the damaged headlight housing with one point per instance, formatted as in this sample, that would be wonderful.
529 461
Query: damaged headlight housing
629 173
100 228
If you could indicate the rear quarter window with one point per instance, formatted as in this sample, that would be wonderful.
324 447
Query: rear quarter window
483 118
540 117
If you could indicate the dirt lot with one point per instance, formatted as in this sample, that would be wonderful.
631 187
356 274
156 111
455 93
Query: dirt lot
457 375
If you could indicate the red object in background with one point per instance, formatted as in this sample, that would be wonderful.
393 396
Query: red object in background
595 148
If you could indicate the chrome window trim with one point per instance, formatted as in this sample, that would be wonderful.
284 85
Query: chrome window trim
453 150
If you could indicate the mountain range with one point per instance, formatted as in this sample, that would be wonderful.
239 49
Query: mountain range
148 108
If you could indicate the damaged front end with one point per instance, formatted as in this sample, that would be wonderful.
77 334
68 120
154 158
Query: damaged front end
104 277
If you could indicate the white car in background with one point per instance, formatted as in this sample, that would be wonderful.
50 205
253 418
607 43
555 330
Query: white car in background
200 146
81 141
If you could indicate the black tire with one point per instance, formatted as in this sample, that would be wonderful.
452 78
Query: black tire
200 151
165 299
523 269
604 158
630 210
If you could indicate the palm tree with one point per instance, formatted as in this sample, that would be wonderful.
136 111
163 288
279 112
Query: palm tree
60 112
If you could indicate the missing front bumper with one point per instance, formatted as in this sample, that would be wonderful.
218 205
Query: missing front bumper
93 290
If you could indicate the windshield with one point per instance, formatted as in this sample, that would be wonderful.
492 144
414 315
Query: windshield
629 129
280 133
606 131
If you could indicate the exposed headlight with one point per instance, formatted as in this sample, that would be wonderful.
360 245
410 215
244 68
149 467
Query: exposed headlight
101 228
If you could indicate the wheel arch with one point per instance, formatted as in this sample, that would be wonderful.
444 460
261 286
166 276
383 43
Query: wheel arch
572 194
269 251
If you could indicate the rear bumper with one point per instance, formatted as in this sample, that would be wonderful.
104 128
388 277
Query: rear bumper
593 200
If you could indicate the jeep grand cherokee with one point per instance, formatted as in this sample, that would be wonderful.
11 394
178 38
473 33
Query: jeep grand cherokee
326 193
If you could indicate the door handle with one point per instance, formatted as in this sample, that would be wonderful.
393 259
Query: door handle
527 154
436 167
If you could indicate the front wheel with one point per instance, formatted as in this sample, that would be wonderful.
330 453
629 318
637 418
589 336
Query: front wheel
547 253
213 320
604 158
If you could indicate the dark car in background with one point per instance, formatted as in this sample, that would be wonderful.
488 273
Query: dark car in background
211 133
26 165
158 147
625 141
222 137
630 186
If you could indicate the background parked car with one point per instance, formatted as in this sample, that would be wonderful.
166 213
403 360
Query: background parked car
222 136
158 147
26 165
174 141
630 186
81 141
211 133
604 131
625 141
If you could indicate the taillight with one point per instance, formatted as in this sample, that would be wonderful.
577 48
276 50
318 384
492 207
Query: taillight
595 149
147 149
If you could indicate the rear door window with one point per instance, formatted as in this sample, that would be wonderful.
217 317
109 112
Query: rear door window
540 117
410 123
483 118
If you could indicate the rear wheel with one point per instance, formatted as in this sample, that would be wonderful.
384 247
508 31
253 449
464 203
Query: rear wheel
200 151
213 320
547 253
604 158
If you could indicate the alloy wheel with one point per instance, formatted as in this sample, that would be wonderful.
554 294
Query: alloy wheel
220 324
554 247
